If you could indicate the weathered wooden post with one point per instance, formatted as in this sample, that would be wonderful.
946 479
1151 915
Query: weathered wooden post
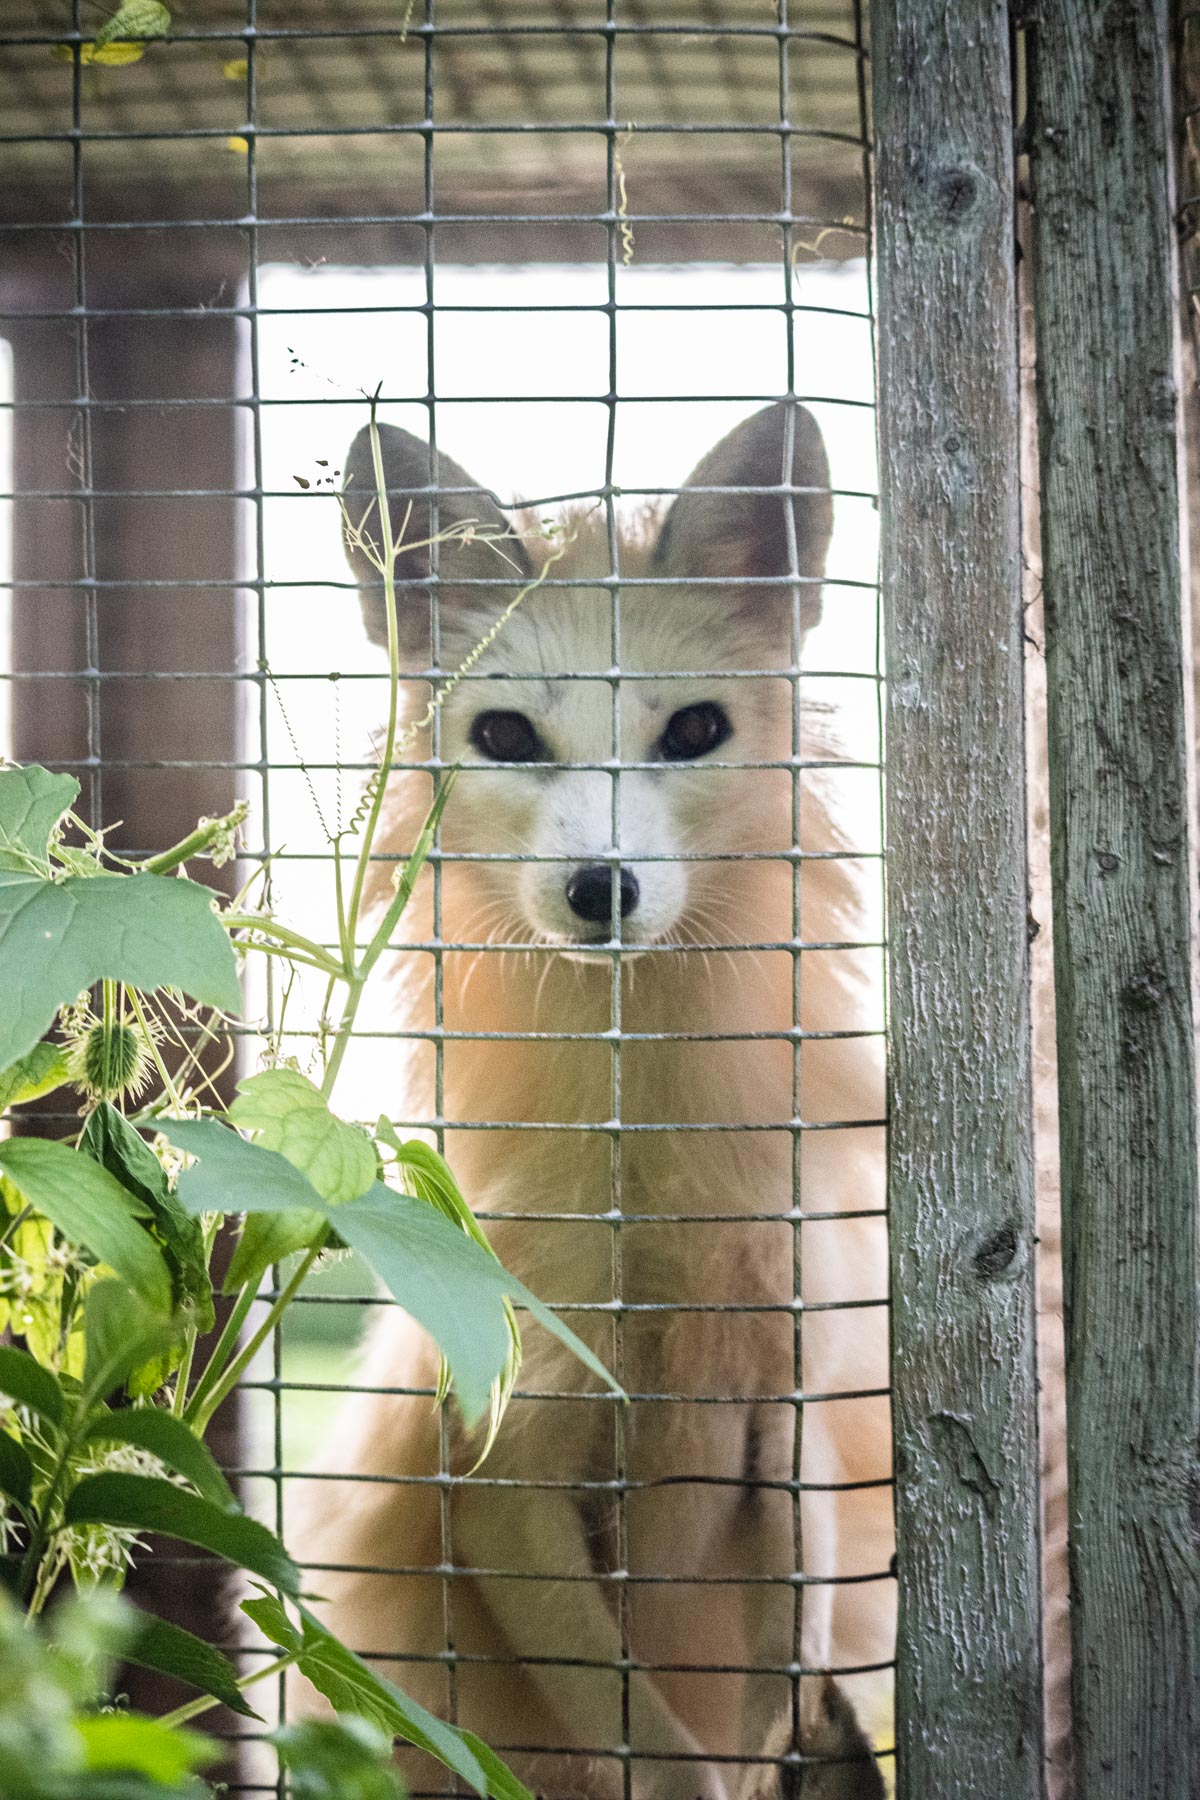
961 1167
1106 346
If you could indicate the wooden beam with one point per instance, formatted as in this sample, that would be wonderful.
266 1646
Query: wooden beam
961 1187
92 688
1107 355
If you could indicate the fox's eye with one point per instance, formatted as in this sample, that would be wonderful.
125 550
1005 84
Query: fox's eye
507 737
694 731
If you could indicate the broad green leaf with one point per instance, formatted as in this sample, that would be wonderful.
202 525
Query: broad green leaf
146 1503
16 1471
172 1651
174 1444
26 1382
114 1143
502 1784
58 937
32 801
131 1744
451 1286
120 1334
351 1686
135 19
428 1176
233 1176
91 1209
338 1759
267 1238
268 1614
288 1114
31 1076
456 1290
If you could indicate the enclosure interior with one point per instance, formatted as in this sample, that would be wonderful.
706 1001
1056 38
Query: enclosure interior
573 244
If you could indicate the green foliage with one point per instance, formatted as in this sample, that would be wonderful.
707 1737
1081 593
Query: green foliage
56 1742
287 1113
149 1503
106 1240
91 1209
64 934
344 1760
133 20
453 1287
351 1686
40 1072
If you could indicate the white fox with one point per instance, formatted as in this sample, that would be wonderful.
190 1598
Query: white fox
569 1627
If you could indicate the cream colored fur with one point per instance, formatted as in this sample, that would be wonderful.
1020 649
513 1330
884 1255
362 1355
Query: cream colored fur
527 1584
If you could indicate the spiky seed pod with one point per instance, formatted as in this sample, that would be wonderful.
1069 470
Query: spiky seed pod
108 1060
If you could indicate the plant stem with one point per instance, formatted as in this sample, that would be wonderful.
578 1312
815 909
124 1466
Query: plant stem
283 934
14 1224
221 1353
199 1415
388 570
192 1709
195 843
163 1072
30 1578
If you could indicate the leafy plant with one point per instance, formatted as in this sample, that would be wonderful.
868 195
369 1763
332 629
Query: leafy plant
116 977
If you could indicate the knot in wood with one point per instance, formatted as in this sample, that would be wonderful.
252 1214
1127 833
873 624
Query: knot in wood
954 191
996 1253
1144 990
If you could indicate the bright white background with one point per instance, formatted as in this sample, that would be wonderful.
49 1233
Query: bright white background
495 374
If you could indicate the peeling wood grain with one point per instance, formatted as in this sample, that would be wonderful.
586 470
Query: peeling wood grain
1107 355
961 1188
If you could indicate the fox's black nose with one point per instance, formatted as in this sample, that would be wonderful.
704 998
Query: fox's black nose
589 893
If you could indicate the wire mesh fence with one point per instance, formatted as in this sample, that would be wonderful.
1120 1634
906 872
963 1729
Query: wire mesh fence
606 271
572 247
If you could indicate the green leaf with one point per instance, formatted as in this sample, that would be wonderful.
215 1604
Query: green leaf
26 1382
170 1650
288 1114
120 1333
91 1209
135 19
351 1686
114 1143
268 1614
16 1471
31 1076
58 937
452 1287
233 1176
502 1784
267 1238
32 801
338 1759
146 1503
131 1744
174 1444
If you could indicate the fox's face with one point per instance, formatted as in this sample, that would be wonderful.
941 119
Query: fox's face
604 797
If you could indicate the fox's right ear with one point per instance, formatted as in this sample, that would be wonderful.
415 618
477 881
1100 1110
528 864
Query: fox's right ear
730 522
422 506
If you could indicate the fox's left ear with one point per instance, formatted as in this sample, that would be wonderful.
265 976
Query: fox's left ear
741 533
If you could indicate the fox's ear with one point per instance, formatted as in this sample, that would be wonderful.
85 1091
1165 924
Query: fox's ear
741 534
461 557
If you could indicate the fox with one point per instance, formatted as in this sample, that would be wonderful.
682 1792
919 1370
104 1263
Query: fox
648 1045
